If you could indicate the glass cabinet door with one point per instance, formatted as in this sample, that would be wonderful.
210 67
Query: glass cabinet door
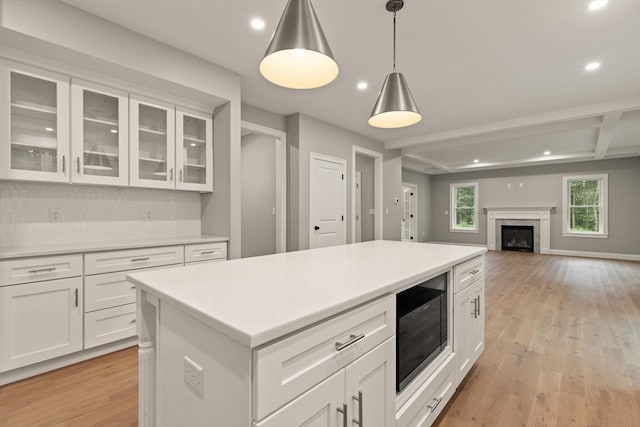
35 125
152 144
194 154
99 134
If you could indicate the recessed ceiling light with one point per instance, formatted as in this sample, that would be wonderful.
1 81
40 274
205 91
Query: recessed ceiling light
476 160
257 24
363 85
592 66
114 130
546 153
597 4
49 129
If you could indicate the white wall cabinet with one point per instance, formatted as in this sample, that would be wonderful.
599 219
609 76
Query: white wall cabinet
194 150
469 324
34 124
40 321
99 126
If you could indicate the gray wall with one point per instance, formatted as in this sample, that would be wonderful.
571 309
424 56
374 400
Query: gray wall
542 186
258 195
256 115
306 135
366 166
423 182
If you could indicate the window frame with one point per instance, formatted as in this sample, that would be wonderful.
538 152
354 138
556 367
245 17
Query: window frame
453 208
603 217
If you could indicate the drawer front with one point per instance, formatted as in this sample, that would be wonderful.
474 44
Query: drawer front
205 262
26 270
467 273
205 252
108 290
109 262
287 368
429 400
108 325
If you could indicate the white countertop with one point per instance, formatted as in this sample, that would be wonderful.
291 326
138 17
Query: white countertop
256 300
111 245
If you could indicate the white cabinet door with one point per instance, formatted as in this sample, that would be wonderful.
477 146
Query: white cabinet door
40 321
151 143
194 151
371 387
99 126
469 327
317 407
34 124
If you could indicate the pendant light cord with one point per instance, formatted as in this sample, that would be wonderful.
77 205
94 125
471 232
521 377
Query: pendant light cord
394 41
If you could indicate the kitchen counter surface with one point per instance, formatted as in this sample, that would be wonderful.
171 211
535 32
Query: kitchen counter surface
111 245
256 300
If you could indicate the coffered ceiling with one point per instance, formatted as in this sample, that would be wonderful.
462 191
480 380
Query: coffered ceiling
499 81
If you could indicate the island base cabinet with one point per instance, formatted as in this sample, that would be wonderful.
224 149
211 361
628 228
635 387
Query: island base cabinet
469 327
40 321
360 394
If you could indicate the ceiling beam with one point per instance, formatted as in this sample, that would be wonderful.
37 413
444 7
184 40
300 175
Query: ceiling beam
428 162
587 111
605 133
568 126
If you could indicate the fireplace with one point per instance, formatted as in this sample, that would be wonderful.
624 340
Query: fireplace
517 238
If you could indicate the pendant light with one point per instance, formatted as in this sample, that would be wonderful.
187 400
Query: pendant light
395 107
298 56
96 160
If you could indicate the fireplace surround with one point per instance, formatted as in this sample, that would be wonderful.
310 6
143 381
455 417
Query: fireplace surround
516 216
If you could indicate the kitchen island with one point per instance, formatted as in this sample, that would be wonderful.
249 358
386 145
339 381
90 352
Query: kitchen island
279 340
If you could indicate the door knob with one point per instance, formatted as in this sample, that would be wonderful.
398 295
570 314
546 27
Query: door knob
316 228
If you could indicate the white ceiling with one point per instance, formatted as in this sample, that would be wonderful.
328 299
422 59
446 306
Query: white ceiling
499 80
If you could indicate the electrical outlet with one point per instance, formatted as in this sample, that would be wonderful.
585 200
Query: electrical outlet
145 215
194 376
54 215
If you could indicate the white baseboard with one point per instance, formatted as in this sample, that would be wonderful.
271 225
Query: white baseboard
604 255
62 361
457 244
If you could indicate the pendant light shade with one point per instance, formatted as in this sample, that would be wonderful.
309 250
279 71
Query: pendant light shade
97 161
395 107
299 56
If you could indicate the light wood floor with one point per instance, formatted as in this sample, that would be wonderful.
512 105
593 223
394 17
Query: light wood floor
562 349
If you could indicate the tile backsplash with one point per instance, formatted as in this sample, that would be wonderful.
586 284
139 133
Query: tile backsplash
44 214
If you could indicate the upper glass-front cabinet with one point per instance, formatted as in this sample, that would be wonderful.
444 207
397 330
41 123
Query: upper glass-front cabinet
152 143
34 124
99 125
194 157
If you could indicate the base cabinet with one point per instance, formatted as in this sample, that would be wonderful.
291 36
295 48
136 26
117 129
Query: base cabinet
40 321
469 327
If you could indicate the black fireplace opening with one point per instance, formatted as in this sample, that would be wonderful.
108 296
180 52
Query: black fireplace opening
517 238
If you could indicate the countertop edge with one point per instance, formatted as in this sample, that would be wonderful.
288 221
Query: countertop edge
264 337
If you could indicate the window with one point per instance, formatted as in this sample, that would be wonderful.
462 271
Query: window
464 207
584 199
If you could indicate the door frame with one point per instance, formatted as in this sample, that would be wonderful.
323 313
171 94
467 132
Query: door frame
281 180
357 195
317 156
377 190
414 188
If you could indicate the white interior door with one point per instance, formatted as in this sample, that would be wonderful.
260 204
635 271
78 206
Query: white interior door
327 200
358 196
409 212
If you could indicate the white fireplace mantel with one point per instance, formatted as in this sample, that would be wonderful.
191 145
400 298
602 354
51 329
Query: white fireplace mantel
542 214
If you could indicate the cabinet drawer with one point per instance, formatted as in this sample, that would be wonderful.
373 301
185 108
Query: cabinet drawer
467 273
108 290
429 400
110 324
287 368
26 270
205 252
109 262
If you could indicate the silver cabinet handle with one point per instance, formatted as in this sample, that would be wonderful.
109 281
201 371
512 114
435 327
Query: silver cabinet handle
343 411
132 321
474 271
433 408
359 400
140 259
43 270
352 340
180 174
78 165
64 164
76 297
478 305
132 287
171 175
209 252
